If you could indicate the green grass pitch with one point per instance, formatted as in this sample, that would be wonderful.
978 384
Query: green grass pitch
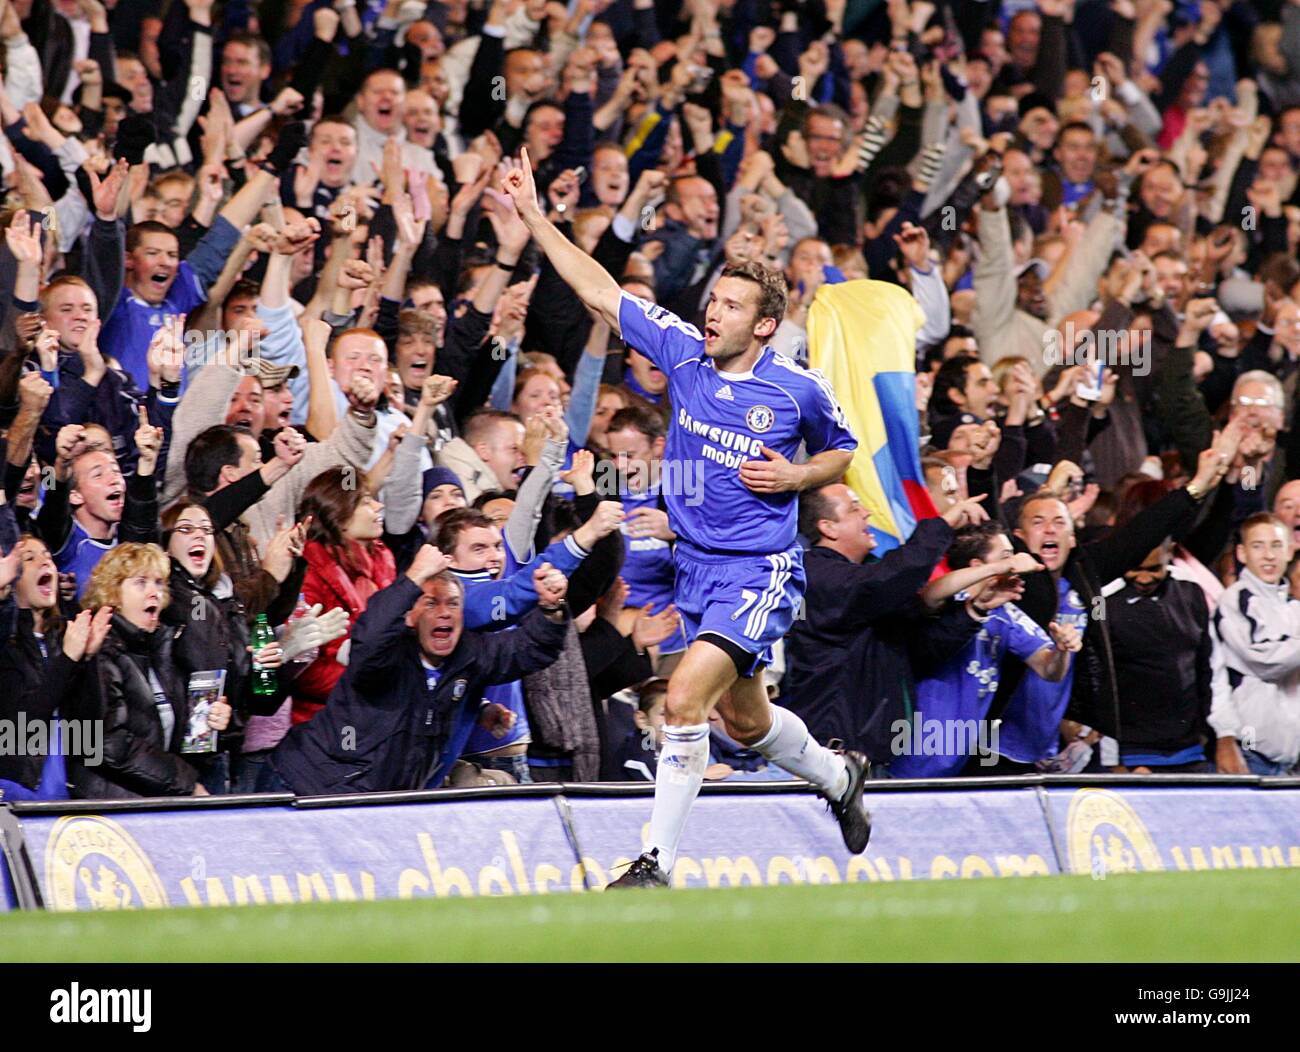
1242 915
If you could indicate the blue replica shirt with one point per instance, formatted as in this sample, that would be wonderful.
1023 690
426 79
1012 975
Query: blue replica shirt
80 555
721 420
511 694
133 323
1031 725
941 740
647 561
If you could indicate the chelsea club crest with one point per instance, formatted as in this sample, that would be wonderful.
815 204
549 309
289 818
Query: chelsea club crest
760 419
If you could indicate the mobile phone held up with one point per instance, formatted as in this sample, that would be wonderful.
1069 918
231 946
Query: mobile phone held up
1089 389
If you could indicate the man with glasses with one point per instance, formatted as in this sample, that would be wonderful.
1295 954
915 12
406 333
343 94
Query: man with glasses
832 199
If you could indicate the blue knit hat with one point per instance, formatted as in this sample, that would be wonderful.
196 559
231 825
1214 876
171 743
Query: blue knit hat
435 477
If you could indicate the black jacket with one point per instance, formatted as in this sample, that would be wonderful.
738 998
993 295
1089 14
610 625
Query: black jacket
383 729
850 657
1162 663
1094 698
211 634
34 687
138 759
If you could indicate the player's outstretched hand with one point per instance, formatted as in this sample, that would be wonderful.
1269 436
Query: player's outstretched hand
774 475
518 182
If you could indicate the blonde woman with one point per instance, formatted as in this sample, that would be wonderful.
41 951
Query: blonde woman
134 685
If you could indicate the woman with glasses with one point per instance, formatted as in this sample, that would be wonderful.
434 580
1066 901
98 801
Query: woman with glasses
212 634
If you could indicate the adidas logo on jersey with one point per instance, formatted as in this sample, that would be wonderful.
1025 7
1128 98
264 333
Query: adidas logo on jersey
724 392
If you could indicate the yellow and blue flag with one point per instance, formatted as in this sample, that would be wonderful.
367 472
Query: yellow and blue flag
862 336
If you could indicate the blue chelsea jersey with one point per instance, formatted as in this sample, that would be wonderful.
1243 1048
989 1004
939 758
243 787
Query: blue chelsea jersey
647 561
1031 722
720 420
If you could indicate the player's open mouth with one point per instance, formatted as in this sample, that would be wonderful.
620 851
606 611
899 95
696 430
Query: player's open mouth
711 332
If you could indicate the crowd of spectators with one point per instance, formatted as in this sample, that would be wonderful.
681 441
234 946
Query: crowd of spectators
293 404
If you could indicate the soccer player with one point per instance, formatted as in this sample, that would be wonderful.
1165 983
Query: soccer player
741 412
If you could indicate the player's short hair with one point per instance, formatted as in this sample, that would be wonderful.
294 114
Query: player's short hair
815 505
771 287
638 418
972 542
455 521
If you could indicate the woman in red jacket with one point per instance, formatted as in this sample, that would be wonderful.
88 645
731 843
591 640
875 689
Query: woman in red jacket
347 563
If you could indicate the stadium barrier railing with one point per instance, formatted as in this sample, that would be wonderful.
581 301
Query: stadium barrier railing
551 837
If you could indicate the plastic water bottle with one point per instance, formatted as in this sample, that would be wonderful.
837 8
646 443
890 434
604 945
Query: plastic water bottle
299 612
265 680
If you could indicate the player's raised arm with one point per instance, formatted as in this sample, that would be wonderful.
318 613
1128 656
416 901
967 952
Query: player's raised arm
592 282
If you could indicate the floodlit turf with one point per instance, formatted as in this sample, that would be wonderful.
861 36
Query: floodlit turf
1240 915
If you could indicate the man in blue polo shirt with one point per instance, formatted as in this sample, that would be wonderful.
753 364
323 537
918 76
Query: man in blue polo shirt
636 438
159 285
951 705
